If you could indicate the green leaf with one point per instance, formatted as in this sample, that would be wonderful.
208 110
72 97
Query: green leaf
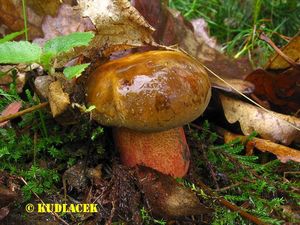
4 151
46 60
11 36
65 43
19 52
75 71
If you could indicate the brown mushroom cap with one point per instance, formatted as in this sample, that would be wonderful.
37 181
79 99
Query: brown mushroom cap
150 91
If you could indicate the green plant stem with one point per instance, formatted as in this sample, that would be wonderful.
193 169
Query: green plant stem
43 129
25 18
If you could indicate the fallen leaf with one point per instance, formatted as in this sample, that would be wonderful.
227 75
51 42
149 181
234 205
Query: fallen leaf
6 196
283 153
11 15
201 30
65 22
43 8
118 25
58 99
75 177
12 108
7 78
172 29
280 90
292 50
272 126
4 211
168 198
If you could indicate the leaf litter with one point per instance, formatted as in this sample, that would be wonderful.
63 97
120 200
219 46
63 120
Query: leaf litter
123 200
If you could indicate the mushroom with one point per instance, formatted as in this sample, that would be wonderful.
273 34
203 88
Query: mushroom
147 97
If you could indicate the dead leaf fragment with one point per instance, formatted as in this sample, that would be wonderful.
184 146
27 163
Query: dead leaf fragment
3 212
7 79
283 153
58 99
12 108
166 197
65 22
252 118
42 7
201 30
12 16
292 50
281 90
118 24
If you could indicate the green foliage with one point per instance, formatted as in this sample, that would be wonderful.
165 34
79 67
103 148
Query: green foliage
26 52
38 149
11 36
234 23
19 52
75 71
225 216
260 186
7 97
40 180
65 43
149 220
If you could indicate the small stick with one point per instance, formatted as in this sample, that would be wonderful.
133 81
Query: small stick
231 206
229 187
52 213
23 112
265 38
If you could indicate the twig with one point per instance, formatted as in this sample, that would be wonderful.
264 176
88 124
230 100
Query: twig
52 213
265 38
231 206
290 172
229 187
23 112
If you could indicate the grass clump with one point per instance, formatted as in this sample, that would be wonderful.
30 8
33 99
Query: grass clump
235 23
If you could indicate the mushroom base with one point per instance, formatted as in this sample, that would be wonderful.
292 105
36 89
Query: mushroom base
165 151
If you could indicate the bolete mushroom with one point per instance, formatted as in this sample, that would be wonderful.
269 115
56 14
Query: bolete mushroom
147 98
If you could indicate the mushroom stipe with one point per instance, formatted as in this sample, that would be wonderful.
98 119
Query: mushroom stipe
147 98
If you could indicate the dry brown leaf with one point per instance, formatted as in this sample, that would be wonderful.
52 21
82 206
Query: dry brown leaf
282 152
43 8
11 15
58 99
4 211
292 50
7 79
66 22
279 90
12 108
119 25
201 30
252 118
